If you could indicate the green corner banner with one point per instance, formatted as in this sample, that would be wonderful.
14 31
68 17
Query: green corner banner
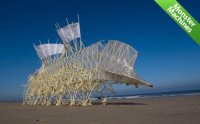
181 17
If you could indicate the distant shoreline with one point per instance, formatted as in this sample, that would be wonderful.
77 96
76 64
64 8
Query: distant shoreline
160 94
134 96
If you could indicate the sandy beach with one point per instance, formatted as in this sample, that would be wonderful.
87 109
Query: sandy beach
165 110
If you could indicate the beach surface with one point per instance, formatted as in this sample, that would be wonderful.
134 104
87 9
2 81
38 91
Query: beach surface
163 110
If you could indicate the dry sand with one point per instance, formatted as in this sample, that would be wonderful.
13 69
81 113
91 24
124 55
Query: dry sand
167 110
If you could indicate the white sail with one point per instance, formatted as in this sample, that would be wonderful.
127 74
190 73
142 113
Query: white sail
69 32
46 50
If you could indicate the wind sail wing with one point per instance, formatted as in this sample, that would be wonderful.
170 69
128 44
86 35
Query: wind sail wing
47 50
69 32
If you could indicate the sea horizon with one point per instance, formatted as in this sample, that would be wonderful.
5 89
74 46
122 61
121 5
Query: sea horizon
133 96
158 94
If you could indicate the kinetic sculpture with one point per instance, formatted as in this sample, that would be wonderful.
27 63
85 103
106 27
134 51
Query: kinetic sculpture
72 73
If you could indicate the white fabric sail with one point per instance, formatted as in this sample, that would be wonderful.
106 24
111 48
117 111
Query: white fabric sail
69 32
46 50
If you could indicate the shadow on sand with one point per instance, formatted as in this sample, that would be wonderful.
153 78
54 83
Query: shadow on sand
119 103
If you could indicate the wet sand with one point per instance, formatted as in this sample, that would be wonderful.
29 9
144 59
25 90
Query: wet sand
166 110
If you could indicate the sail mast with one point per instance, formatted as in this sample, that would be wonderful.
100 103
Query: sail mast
81 43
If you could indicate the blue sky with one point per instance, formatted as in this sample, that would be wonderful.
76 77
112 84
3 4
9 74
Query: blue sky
168 57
